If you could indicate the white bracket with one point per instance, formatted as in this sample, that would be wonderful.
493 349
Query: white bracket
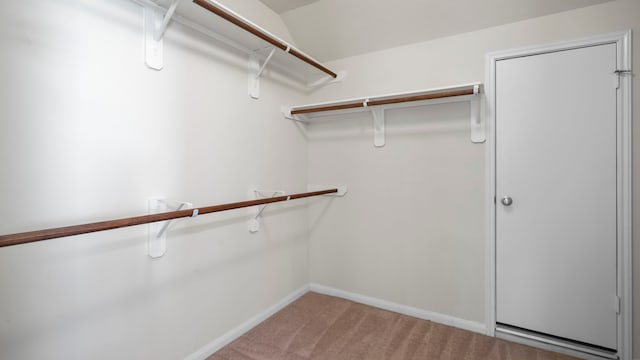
378 126
254 82
153 49
155 25
286 111
254 223
477 124
478 133
157 232
165 21
255 71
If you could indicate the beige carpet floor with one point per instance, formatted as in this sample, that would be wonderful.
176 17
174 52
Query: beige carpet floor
324 327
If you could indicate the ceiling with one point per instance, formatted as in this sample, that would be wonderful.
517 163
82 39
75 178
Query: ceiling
280 6
334 29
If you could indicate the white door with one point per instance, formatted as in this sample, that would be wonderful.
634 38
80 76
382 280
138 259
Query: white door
556 194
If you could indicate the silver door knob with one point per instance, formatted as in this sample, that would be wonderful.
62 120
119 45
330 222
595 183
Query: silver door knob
506 201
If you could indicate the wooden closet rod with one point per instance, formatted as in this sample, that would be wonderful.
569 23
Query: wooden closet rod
262 35
385 101
39 235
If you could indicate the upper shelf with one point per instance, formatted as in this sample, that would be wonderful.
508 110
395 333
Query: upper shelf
255 30
452 93
222 23
378 104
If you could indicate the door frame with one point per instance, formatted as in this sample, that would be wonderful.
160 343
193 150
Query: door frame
624 192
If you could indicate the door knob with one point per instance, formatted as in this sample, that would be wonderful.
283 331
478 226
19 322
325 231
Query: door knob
506 200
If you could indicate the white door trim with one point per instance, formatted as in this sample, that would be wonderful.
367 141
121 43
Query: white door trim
623 43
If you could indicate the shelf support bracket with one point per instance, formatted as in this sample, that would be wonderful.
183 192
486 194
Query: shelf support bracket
153 49
165 21
255 72
286 111
155 25
378 126
254 223
478 133
157 232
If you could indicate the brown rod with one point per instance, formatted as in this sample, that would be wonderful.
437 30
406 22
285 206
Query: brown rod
328 108
39 235
435 95
240 23
262 35
438 95
312 62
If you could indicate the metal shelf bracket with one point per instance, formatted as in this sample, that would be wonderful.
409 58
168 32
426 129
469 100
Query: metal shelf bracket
286 111
478 131
254 223
255 72
378 126
157 232
155 25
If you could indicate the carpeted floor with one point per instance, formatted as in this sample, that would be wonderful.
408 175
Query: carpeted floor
324 327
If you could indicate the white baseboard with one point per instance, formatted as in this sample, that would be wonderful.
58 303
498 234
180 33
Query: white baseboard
402 309
235 333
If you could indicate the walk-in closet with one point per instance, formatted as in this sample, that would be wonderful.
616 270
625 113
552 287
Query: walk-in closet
319 179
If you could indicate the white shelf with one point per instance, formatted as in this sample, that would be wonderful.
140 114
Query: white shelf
378 104
203 20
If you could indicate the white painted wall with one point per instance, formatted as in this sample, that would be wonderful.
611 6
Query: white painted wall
411 228
419 239
88 133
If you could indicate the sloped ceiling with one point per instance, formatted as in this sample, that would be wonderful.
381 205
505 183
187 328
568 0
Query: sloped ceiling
334 29
281 6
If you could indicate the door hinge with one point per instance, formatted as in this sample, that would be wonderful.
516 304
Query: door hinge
616 304
618 73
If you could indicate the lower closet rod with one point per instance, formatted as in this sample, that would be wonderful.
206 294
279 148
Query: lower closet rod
39 235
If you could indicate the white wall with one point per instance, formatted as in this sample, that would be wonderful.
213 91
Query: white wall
420 237
411 227
88 133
